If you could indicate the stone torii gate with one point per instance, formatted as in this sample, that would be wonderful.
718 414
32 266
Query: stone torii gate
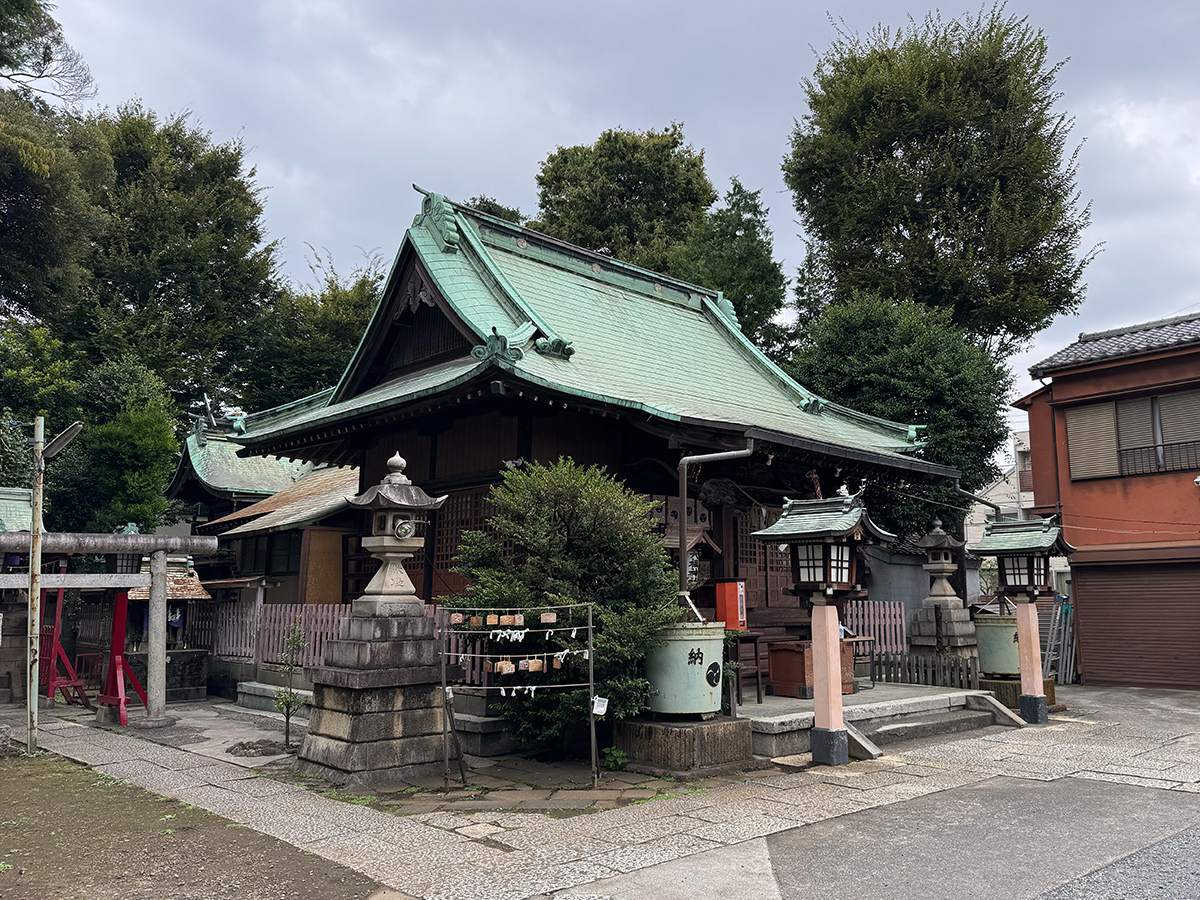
157 546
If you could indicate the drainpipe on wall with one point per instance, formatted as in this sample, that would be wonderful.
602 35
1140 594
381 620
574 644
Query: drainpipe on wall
684 595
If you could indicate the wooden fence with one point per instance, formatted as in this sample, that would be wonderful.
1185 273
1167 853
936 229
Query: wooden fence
939 671
245 630
880 619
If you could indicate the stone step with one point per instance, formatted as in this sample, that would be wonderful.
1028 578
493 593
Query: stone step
256 695
895 729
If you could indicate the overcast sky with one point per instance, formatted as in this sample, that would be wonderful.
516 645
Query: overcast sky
343 105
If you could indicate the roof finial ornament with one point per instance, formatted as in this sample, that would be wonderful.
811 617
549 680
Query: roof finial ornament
395 473
439 213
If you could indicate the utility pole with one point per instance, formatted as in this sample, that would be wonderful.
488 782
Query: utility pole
35 579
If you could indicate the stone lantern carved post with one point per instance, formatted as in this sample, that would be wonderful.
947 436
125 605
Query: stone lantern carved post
943 624
378 709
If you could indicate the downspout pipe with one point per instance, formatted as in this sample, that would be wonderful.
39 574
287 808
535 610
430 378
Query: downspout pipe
979 499
684 595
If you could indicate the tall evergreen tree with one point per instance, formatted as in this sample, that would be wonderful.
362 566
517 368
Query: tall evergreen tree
933 166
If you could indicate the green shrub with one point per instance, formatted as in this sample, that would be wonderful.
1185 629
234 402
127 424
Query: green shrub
566 534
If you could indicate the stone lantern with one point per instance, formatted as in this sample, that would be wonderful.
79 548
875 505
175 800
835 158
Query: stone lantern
400 512
377 718
1023 551
823 537
942 625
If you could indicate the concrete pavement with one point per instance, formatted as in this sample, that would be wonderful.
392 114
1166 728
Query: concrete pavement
1004 811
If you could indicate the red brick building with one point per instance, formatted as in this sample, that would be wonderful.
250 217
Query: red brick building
1115 445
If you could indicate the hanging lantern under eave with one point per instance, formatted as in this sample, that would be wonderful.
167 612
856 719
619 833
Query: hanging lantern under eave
822 538
1023 551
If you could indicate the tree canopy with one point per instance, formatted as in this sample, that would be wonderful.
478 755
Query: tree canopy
730 249
632 195
309 335
35 57
932 167
910 363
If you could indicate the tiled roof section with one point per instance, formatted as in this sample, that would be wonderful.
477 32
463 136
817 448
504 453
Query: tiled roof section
820 519
569 320
182 583
1120 342
1001 538
16 513
321 493
212 456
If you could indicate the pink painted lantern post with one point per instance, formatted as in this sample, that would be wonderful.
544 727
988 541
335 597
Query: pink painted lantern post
823 539
1023 551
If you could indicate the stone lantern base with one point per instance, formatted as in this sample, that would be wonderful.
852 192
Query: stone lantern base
945 627
377 710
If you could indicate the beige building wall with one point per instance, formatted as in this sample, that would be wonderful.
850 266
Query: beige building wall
323 555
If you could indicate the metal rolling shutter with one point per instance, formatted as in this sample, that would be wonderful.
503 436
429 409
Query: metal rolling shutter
1139 625
1180 415
1092 440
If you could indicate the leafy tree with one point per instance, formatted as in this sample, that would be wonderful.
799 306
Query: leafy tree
38 375
48 219
183 269
35 56
305 339
567 534
932 167
494 207
118 468
632 195
16 456
730 249
909 363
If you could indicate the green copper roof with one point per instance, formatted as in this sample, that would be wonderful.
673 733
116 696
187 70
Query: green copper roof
562 318
1008 538
812 520
211 457
16 509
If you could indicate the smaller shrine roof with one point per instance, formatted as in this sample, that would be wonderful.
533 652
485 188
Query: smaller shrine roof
1006 538
210 456
808 520
317 495
182 582
16 509
696 534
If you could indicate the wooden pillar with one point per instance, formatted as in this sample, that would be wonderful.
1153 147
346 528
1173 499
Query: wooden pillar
1033 694
830 743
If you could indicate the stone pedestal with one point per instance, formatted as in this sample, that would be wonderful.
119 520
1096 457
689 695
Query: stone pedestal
377 711
943 629
686 749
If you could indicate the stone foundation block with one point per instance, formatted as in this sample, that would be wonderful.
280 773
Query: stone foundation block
375 755
375 726
380 654
830 748
370 608
362 679
391 629
377 700
684 746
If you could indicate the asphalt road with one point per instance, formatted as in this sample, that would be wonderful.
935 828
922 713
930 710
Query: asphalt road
1001 838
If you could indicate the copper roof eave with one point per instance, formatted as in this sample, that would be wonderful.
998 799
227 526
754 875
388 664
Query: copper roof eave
885 460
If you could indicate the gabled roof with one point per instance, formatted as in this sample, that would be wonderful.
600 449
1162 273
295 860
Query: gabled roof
317 495
1117 343
817 520
210 456
16 509
549 316
1035 534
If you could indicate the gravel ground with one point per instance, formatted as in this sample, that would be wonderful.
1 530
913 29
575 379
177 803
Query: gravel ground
1168 870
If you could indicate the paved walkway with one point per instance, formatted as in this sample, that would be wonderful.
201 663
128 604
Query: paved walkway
506 854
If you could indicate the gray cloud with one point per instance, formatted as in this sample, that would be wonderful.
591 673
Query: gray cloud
342 105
